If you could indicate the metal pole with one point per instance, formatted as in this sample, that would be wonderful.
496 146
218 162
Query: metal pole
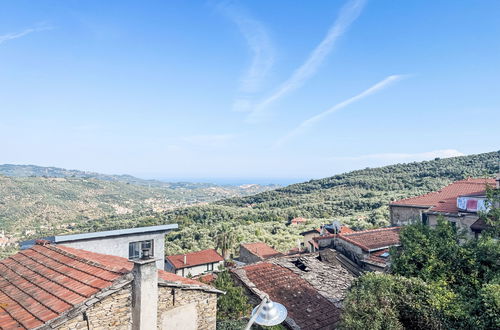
256 314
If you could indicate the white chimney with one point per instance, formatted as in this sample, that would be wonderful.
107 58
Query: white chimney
145 294
185 259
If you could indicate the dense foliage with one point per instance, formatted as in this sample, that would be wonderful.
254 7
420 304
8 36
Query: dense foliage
440 281
358 199
234 304
33 205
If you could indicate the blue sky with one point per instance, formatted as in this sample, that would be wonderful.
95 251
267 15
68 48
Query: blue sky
255 90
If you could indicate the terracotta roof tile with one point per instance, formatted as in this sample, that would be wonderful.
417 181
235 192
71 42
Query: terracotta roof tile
261 250
39 284
298 220
194 258
445 200
373 239
305 305
376 257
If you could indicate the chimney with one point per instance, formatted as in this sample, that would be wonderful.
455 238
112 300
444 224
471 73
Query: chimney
185 259
145 294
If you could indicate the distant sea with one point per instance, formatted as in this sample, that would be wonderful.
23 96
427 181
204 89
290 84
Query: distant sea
237 181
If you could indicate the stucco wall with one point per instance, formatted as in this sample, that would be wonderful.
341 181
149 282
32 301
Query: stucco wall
198 270
351 251
247 257
308 237
401 215
175 307
118 246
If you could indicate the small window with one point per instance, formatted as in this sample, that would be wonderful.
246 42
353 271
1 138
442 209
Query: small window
210 267
384 255
135 249
425 219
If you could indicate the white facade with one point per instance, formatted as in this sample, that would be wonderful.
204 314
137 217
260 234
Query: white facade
195 270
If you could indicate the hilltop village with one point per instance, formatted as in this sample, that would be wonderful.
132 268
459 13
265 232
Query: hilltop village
122 279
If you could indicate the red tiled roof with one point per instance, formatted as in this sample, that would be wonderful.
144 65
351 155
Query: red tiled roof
298 220
304 304
207 278
346 230
39 284
376 257
261 249
194 258
373 239
445 200
343 230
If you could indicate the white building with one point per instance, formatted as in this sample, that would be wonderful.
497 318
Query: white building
128 243
194 263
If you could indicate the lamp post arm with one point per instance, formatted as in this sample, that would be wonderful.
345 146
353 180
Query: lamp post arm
256 314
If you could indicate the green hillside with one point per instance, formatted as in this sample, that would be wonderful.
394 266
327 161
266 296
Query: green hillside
32 205
358 198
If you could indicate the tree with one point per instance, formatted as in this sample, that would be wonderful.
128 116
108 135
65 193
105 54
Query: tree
234 304
225 240
384 301
492 216
438 281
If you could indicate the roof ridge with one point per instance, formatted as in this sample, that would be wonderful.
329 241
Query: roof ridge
183 254
369 230
85 261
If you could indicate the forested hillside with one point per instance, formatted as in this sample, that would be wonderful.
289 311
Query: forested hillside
358 198
32 205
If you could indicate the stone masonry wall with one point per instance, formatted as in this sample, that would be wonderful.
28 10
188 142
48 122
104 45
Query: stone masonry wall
206 304
113 312
401 215
247 256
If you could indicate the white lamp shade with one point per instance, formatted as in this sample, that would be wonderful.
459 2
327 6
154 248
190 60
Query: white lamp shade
272 313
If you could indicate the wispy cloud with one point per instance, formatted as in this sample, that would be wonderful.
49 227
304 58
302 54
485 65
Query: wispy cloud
16 35
311 121
263 53
347 15
398 157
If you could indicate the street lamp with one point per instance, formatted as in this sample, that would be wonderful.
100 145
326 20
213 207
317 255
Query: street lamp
268 313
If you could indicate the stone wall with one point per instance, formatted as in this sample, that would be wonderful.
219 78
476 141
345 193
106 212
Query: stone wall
113 312
247 256
461 222
403 215
178 302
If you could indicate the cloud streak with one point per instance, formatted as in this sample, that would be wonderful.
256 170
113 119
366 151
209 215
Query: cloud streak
263 53
311 121
347 15
16 35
